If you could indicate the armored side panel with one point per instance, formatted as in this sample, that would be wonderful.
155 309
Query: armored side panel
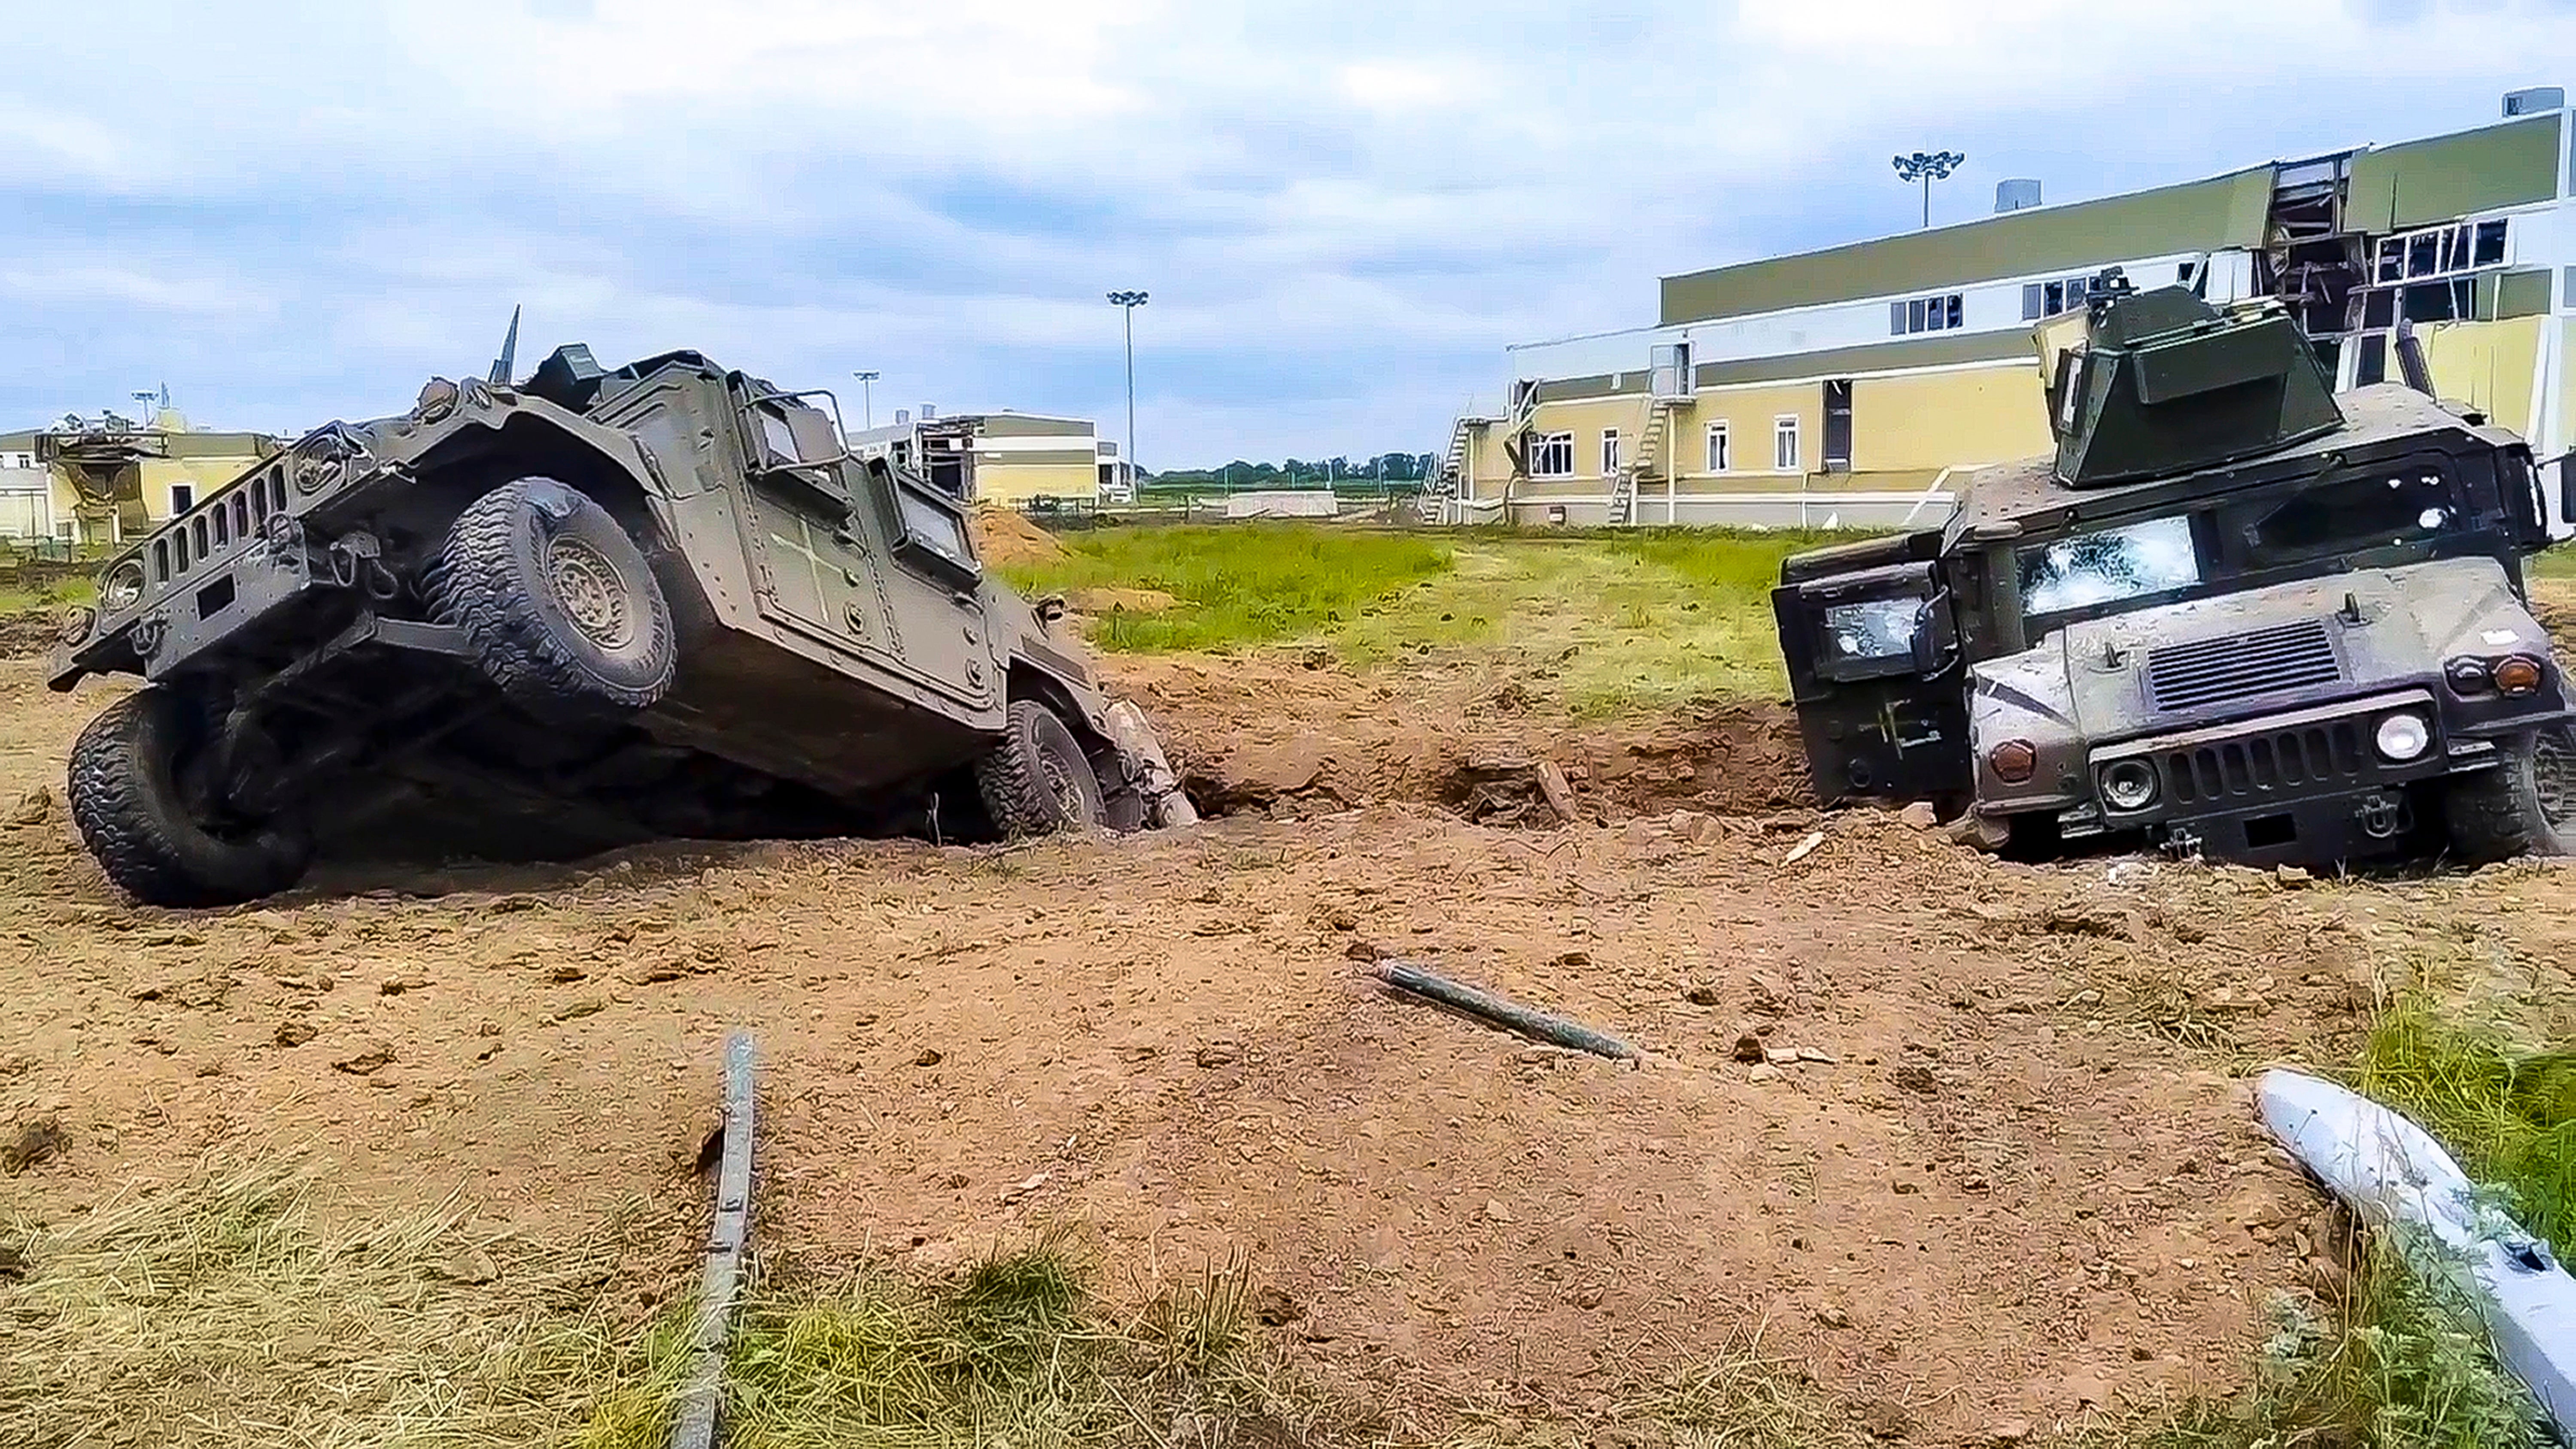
2163 383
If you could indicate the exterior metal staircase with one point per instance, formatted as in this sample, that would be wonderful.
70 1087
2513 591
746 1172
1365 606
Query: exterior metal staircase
1651 443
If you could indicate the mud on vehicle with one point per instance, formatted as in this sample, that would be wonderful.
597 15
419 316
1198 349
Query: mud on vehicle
2230 615
546 619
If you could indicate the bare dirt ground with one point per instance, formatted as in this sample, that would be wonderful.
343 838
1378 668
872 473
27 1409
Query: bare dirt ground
2005 1170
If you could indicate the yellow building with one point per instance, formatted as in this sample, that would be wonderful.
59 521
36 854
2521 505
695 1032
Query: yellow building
1854 385
1002 458
97 481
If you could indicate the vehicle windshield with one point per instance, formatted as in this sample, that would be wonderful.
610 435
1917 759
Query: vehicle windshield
2407 505
2093 569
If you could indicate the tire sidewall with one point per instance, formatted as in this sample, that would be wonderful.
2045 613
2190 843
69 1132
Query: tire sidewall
2553 837
127 804
643 665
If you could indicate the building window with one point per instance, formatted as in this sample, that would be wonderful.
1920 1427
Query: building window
2047 299
1838 425
182 498
1609 451
2441 251
1552 455
1721 454
1784 444
1926 314
17 460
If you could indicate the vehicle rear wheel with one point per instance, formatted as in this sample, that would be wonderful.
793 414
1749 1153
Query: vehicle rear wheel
139 821
1037 780
560 606
2526 805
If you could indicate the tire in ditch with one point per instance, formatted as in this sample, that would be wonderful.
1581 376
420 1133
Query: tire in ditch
559 605
1037 781
135 819
2525 805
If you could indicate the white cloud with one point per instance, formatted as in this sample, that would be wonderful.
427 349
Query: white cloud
1343 210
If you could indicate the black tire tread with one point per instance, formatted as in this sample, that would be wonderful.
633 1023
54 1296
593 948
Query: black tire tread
2495 815
1010 780
477 587
142 840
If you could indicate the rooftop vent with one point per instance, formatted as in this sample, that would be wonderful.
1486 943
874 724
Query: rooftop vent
928 412
2017 194
2534 100
902 417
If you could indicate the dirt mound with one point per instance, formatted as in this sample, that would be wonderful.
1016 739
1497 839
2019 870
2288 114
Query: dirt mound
1446 739
1006 537
29 633
1111 601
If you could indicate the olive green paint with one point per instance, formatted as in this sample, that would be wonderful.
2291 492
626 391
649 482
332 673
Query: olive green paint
2418 183
2522 294
2222 211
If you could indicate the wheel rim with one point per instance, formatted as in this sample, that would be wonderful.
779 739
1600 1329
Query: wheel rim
591 592
2553 779
1060 782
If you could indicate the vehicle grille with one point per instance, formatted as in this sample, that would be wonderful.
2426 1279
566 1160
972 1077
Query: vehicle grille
2240 666
217 524
2330 754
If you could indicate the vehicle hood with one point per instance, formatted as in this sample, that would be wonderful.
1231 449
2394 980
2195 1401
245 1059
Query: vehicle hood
2212 660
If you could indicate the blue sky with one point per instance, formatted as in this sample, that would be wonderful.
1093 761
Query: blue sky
292 211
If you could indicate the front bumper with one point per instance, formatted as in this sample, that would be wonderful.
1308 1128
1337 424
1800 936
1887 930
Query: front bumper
2305 787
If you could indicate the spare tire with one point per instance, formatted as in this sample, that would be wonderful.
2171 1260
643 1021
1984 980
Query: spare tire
559 605
1037 781
136 820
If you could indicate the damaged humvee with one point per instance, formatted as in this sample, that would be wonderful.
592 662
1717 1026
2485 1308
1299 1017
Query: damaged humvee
2232 614
551 617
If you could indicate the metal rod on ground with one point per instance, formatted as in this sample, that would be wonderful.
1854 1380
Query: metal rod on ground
1502 1012
694 1426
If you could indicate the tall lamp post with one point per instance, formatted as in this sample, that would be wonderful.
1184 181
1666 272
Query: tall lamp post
1127 303
867 396
1928 167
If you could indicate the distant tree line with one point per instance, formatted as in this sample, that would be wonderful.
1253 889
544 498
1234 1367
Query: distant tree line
1370 473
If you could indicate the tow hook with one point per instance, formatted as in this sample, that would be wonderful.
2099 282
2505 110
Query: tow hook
2382 815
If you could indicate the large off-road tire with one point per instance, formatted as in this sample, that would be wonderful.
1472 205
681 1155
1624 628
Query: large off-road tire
558 603
1037 780
126 799
2526 805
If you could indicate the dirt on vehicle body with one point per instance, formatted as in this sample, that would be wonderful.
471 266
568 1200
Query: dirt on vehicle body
546 619
2229 615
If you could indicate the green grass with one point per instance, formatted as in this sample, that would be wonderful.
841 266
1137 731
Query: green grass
1237 584
80 590
2558 562
2403 1364
240 1307
1020 1350
1598 621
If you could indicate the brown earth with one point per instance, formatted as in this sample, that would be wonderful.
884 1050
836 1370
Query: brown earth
28 634
1005 537
2004 1168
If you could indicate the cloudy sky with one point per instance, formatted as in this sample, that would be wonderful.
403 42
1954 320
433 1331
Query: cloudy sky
299 209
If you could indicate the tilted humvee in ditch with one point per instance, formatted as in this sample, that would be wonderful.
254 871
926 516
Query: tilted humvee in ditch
547 618
2231 614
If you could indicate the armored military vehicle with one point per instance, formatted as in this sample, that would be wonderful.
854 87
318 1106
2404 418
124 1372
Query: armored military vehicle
2231 614
583 610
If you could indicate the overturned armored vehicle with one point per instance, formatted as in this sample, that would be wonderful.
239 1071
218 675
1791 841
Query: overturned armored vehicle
2231 614
588 609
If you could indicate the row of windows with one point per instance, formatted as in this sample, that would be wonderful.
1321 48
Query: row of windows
2442 250
1552 454
1925 314
17 460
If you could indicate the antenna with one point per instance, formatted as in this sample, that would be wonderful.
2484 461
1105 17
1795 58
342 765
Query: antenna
501 365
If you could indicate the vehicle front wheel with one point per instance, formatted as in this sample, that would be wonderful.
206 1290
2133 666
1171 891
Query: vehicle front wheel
2526 805
155 841
1037 780
558 603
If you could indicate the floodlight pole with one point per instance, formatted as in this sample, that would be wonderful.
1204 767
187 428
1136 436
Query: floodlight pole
1928 167
868 396
1127 303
